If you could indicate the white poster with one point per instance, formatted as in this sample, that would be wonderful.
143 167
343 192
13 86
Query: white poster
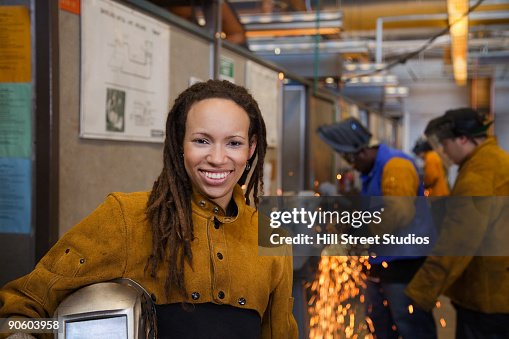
125 61
265 86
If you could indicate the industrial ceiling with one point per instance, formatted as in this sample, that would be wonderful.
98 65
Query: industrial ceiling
343 44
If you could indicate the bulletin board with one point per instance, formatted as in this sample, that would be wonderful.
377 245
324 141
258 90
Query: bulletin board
15 120
125 73
265 86
17 123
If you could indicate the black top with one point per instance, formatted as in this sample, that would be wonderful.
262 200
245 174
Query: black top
206 321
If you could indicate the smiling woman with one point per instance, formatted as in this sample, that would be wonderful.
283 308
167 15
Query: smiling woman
192 242
217 147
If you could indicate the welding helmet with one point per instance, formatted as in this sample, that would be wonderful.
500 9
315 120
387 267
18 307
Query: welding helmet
347 136
121 307
421 145
456 123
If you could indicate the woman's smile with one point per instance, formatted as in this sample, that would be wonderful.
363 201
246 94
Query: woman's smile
215 177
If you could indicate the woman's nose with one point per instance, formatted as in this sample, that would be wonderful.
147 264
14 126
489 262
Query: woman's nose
217 155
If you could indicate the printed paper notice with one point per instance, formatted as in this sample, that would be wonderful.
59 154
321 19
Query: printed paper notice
15 44
15 195
265 87
125 73
15 120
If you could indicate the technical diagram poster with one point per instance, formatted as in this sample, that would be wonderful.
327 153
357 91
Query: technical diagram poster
125 73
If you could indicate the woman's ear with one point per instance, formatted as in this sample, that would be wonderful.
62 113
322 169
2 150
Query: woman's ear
252 145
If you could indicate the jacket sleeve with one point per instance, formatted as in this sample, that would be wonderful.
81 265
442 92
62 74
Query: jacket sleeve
432 170
399 187
461 236
92 251
434 277
278 321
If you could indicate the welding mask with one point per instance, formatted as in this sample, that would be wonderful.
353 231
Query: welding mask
453 124
421 145
347 137
120 308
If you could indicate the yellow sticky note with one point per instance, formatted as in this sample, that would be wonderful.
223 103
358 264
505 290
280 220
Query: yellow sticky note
15 46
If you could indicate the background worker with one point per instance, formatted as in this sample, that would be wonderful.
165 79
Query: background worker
434 176
386 172
477 284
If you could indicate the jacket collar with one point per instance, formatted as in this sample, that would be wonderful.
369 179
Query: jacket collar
207 208
489 142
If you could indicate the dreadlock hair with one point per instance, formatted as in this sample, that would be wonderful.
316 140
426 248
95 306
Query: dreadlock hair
169 210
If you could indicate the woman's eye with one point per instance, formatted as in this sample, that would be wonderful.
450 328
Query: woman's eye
235 143
200 141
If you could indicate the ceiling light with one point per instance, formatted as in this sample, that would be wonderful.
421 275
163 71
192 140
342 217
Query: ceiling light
396 92
297 23
364 67
459 38
373 80
291 32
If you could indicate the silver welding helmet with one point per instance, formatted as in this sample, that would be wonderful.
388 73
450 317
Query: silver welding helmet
455 123
119 309
346 136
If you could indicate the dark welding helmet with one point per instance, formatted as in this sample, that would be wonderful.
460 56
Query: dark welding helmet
347 136
455 123
421 145
458 122
119 309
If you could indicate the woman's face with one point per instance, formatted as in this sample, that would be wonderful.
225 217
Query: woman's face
217 147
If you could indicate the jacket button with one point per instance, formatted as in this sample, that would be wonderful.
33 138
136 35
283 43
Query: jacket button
242 301
215 210
202 203
195 295
221 295
217 224
153 297
82 261
220 255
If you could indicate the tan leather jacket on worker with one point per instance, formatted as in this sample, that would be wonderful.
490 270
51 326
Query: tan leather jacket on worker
435 180
479 283
115 241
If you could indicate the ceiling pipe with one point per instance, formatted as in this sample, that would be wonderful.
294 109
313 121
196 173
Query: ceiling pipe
485 15
380 24
359 46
